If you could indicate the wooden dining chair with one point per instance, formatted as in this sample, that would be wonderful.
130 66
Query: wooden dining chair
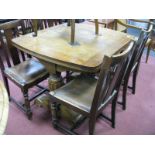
27 24
22 71
122 25
89 96
50 22
28 27
126 24
151 42
134 63
148 28
102 22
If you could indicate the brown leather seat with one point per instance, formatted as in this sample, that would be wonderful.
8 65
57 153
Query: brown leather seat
27 72
79 93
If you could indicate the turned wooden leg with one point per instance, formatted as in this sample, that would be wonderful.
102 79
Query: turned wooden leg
148 52
6 83
27 104
55 81
54 114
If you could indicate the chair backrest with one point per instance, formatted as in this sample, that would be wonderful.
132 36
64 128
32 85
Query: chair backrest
8 31
41 24
138 50
140 45
110 78
28 27
126 25
45 23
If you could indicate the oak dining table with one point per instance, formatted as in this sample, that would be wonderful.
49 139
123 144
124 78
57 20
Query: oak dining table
52 47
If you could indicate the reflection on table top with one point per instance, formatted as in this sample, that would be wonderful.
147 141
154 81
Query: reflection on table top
53 45
4 107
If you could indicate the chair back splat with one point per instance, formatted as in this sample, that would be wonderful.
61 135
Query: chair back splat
46 23
8 31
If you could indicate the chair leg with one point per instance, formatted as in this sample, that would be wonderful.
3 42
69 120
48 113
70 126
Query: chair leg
125 88
148 52
113 111
92 126
54 114
27 105
6 83
134 79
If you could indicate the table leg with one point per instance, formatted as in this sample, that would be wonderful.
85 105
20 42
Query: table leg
55 81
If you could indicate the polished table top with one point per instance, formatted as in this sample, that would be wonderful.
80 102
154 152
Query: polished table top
53 45
4 107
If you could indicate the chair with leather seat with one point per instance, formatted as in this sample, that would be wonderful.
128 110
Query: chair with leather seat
88 96
149 29
25 73
134 63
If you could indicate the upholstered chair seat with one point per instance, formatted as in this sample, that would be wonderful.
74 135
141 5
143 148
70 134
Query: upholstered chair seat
78 93
27 72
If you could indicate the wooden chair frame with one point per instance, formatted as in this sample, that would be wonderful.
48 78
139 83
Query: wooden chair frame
134 63
107 88
10 30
